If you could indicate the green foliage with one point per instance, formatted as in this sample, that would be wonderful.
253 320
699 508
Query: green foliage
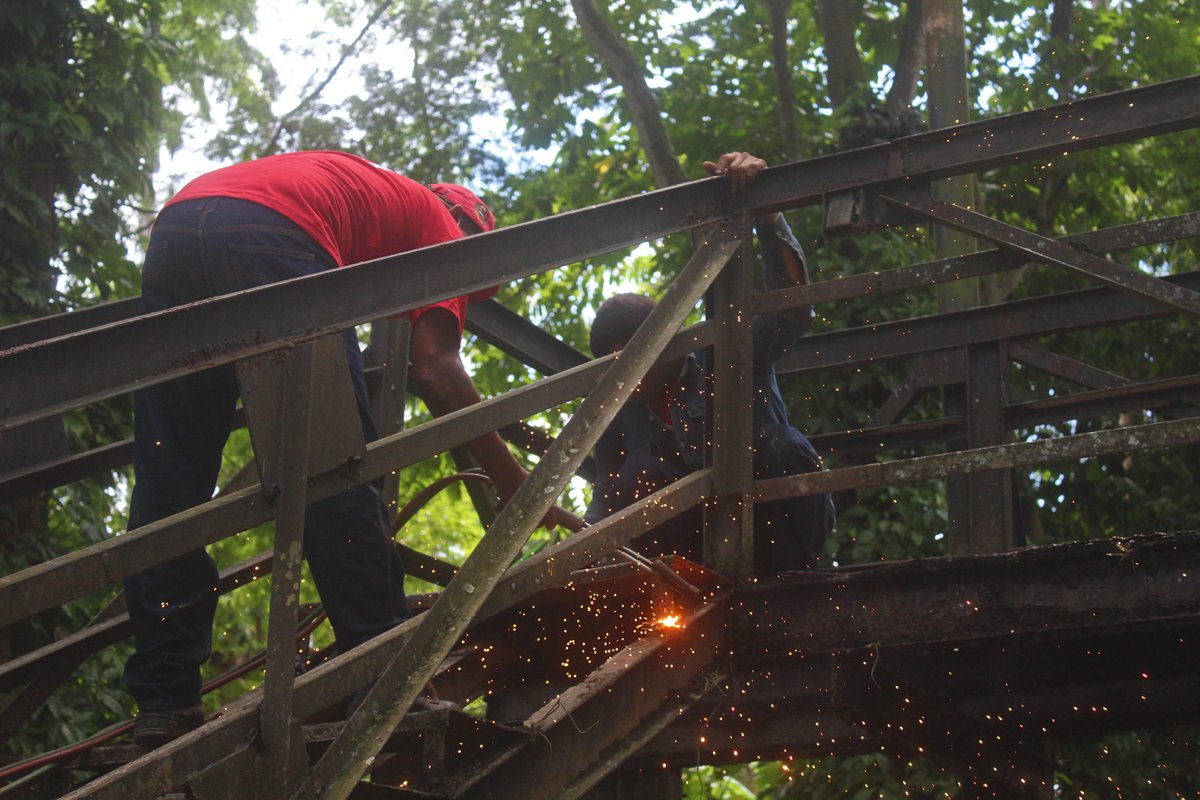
89 91
1142 765
866 777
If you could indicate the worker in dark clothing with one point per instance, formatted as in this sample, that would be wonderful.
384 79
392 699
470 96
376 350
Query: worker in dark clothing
235 228
659 435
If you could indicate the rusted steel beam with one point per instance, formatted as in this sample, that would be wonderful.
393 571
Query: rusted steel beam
278 771
1065 367
520 338
1040 316
1000 141
1170 397
1050 251
67 469
990 506
1018 454
225 329
729 519
878 439
583 733
1054 590
37 330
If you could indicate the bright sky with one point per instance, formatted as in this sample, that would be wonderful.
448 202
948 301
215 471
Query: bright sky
296 37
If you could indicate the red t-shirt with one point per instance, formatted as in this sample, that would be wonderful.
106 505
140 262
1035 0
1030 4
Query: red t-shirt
353 208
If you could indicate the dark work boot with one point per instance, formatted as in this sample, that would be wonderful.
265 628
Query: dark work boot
153 729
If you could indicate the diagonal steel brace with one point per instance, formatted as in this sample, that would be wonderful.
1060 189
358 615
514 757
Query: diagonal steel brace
1051 251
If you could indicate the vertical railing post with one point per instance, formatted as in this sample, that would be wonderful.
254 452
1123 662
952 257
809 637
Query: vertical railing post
991 506
729 520
280 770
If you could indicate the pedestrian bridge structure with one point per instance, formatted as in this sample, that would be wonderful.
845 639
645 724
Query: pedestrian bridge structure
605 675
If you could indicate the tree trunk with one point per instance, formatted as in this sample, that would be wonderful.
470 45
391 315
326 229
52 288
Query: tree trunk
784 86
908 62
639 100
844 66
1060 19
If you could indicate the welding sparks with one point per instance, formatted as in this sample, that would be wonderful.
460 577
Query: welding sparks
670 621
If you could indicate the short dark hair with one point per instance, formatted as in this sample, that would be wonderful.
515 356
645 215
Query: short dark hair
617 319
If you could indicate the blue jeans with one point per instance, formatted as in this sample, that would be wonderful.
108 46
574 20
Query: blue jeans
199 249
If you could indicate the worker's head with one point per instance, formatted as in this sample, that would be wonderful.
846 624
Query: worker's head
471 213
617 320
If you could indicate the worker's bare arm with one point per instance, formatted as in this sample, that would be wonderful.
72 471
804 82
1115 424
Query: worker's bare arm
444 384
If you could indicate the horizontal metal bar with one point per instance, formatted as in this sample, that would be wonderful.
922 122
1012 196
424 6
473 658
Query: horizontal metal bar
974 265
1155 395
1105 585
1007 456
1039 316
37 330
1001 141
77 368
880 438
61 471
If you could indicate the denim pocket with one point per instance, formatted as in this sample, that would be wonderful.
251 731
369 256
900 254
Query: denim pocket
253 265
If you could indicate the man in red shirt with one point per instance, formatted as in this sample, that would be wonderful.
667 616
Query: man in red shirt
238 227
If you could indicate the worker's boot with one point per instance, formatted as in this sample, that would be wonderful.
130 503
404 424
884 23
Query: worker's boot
153 729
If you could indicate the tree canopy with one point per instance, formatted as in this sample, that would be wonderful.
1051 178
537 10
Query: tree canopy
552 106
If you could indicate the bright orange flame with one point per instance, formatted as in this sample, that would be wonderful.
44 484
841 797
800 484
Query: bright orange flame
670 621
